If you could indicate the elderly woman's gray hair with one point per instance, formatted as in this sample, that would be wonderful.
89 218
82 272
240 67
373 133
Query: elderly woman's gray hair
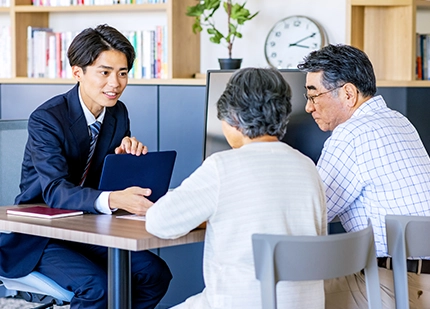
257 102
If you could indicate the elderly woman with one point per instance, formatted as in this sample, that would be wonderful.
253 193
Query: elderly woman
260 186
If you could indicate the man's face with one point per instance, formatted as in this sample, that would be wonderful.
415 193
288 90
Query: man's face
104 81
328 106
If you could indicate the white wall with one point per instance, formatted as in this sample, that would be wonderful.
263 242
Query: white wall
330 14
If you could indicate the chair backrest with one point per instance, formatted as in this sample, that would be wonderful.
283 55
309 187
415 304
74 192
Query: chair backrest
407 236
302 258
13 137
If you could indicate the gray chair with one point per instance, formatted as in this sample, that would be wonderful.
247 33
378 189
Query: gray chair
13 136
302 258
34 287
407 236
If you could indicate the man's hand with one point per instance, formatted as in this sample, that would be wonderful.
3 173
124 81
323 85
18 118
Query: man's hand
132 199
131 145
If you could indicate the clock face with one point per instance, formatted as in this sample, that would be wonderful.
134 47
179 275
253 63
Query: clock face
291 39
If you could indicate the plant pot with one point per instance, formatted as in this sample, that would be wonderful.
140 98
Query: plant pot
229 63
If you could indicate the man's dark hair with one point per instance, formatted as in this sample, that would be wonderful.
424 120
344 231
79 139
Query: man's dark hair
257 102
90 43
342 64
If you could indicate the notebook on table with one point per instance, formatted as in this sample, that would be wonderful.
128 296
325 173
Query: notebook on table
152 170
43 212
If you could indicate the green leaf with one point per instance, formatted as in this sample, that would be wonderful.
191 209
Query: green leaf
197 27
233 28
211 4
204 10
240 14
216 36
195 11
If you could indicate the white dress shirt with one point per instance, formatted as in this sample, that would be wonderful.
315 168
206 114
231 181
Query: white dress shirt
101 204
375 164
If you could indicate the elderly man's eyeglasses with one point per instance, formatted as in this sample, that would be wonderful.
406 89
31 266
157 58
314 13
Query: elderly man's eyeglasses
312 97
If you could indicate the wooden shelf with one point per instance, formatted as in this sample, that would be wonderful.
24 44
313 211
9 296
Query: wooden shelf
200 81
183 45
380 2
422 4
92 8
402 83
385 31
153 81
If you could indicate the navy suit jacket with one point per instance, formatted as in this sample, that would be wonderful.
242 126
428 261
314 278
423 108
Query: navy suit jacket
54 160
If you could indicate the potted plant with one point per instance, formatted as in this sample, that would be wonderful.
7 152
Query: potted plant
237 15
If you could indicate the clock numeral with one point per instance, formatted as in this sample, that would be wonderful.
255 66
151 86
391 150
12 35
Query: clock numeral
272 44
278 34
286 25
297 23
314 45
273 55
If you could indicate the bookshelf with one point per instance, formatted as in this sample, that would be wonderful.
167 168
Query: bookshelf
183 44
385 30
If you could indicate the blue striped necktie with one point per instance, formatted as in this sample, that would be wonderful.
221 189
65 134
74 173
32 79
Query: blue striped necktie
94 130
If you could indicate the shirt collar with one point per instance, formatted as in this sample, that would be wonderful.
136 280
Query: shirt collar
88 115
372 104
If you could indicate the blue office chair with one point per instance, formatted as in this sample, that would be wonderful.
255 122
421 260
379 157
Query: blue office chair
304 258
38 288
407 236
34 287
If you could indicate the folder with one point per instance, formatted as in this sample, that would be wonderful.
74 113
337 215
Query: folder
152 170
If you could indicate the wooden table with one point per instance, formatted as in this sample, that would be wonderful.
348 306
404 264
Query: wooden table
121 236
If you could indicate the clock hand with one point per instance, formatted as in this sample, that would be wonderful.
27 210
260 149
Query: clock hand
298 45
309 36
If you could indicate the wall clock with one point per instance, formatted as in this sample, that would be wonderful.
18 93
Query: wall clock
291 39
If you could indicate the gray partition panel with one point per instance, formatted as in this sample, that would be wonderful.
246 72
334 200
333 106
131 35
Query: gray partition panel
142 105
182 127
18 101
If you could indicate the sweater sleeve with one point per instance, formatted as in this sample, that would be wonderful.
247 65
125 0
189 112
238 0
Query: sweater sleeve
187 206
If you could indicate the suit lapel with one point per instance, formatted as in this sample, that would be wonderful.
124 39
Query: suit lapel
78 124
104 140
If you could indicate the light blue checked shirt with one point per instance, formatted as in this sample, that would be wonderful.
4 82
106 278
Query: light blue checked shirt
375 164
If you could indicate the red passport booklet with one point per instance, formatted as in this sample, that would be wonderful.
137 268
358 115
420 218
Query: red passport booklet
43 212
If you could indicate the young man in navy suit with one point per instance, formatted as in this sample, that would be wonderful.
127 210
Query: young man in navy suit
56 170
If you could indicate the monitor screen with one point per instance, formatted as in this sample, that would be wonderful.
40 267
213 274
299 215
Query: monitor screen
302 131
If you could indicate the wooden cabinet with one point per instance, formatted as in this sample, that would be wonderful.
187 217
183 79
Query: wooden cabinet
385 30
183 45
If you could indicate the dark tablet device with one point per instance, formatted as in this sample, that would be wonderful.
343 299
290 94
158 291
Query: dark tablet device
152 170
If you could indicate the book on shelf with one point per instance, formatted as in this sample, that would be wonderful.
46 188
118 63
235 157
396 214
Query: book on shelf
423 56
150 46
4 3
5 52
47 53
87 2
43 212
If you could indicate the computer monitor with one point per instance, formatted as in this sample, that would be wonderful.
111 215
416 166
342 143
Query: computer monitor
302 131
